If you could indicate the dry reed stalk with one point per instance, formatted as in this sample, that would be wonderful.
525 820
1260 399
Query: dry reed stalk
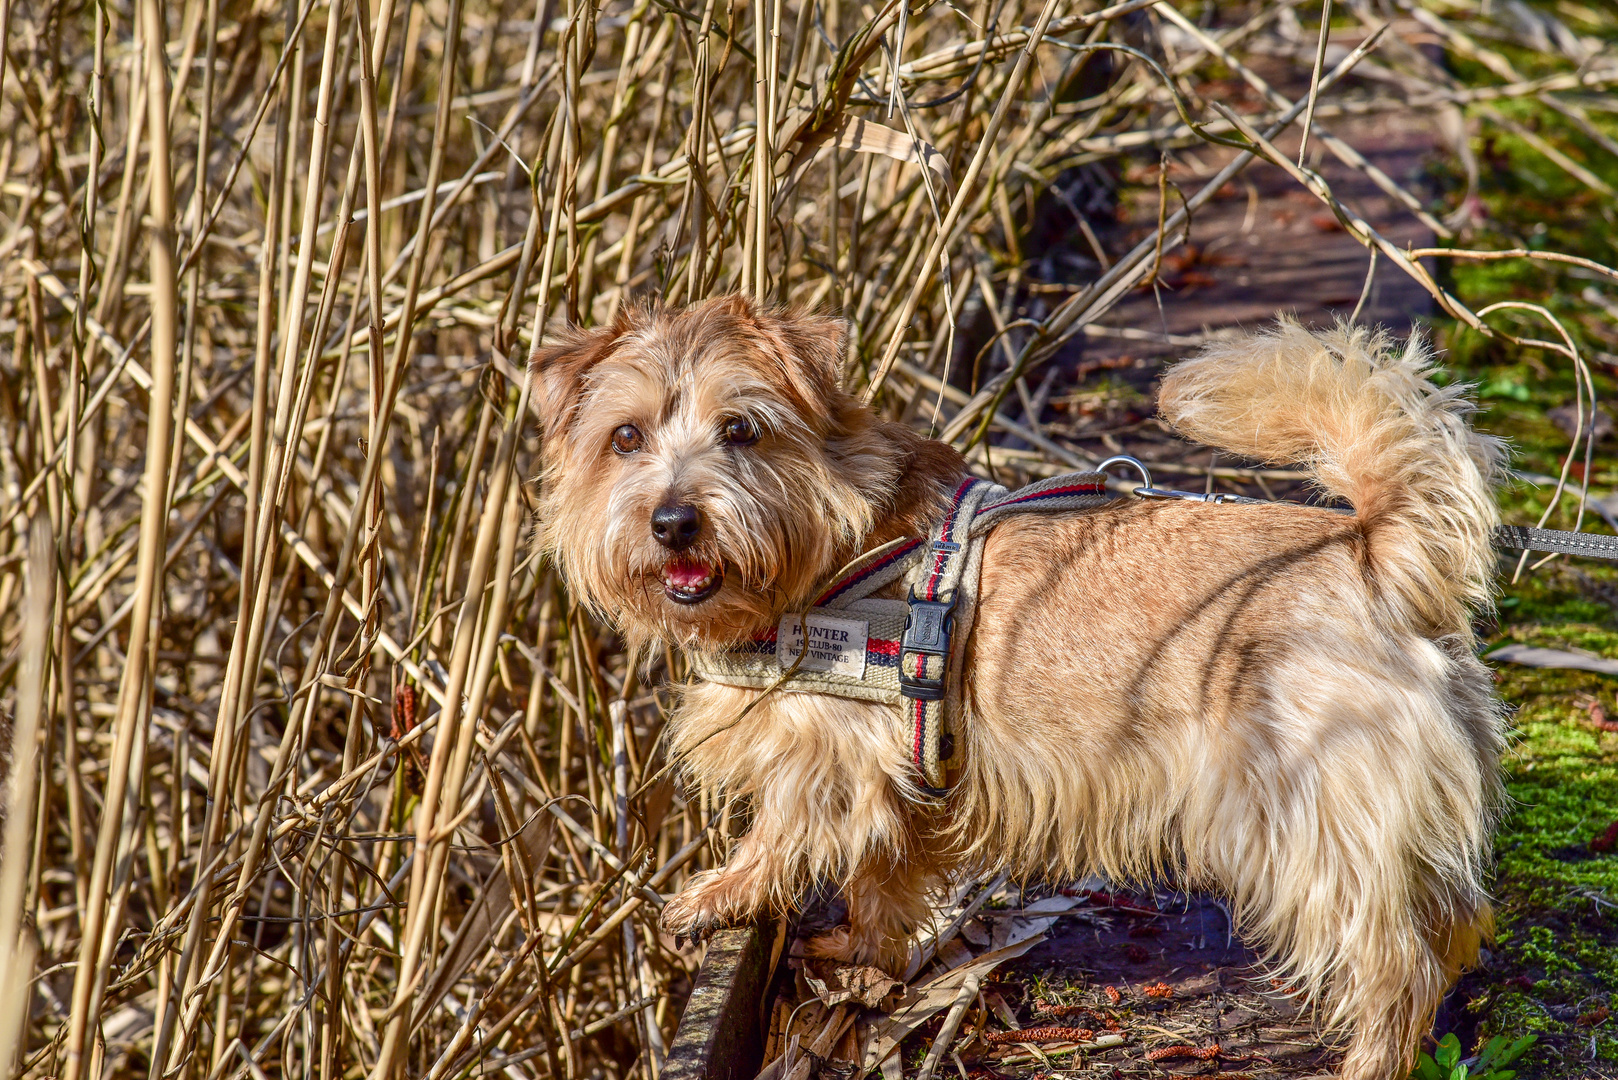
130 727
19 949
243 491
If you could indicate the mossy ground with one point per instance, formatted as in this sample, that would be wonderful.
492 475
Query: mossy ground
1553 969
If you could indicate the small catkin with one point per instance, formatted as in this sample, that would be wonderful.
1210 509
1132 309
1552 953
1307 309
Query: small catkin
1050 1033
1201 1053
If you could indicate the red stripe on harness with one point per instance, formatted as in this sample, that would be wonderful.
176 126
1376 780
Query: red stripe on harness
860 575
947 535
920 708
920 725
1051 493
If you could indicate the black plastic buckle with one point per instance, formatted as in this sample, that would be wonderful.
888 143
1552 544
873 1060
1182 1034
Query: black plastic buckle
927 629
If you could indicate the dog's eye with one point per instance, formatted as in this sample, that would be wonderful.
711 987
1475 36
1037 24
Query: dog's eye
627 439
739 431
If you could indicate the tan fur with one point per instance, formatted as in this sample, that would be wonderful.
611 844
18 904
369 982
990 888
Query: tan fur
1278 704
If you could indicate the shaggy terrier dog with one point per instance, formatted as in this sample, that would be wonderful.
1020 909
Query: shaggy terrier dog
1279 704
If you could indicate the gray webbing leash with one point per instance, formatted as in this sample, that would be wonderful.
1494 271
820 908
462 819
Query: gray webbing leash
1517 537
1557 541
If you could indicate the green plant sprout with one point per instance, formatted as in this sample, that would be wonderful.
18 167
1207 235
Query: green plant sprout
1489 1063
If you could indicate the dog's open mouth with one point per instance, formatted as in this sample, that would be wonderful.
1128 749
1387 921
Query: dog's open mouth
689 582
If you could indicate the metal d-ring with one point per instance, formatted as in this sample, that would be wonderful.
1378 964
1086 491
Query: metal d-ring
1147 491
1134 463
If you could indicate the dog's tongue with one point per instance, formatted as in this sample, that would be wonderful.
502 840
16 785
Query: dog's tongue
687 576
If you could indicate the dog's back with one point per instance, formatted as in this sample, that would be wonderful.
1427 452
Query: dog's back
1368 421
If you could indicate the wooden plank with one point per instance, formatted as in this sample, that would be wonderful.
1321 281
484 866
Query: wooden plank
720 1036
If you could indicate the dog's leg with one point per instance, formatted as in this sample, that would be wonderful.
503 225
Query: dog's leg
752 880
802 831
822 776
1391 997
887 900
1368 927
1369 891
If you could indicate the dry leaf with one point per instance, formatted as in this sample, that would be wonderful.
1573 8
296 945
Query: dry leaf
861 136
835 983
1002 1011
1529 656
486 915
954 954
1021 926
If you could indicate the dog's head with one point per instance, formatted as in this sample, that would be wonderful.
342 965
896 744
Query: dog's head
704 470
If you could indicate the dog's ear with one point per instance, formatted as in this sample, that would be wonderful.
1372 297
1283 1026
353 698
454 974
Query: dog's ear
559 365
813 347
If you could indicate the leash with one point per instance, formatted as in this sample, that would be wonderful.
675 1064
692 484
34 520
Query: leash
1557 541
1515 537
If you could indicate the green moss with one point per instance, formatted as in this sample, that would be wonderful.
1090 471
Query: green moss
1555 957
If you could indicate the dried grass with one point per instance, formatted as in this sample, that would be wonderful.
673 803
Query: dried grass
315 768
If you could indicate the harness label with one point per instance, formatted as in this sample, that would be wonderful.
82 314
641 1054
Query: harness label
835 645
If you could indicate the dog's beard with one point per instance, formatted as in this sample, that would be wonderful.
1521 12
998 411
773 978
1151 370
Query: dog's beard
730 611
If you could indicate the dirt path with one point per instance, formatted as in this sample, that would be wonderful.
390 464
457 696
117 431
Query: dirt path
1264 246
1190 999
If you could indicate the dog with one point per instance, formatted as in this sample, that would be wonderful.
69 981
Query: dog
1278 704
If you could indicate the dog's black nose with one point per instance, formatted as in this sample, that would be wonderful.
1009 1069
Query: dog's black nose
676 527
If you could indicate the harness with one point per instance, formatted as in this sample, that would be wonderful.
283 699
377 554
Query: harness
900 652
910 652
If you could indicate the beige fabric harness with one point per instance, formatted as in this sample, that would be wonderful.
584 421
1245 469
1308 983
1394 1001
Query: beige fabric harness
900 652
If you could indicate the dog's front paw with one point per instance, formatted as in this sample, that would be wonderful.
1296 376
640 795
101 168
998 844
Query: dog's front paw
700 909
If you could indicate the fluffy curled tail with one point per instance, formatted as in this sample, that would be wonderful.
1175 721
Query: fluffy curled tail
1363 415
